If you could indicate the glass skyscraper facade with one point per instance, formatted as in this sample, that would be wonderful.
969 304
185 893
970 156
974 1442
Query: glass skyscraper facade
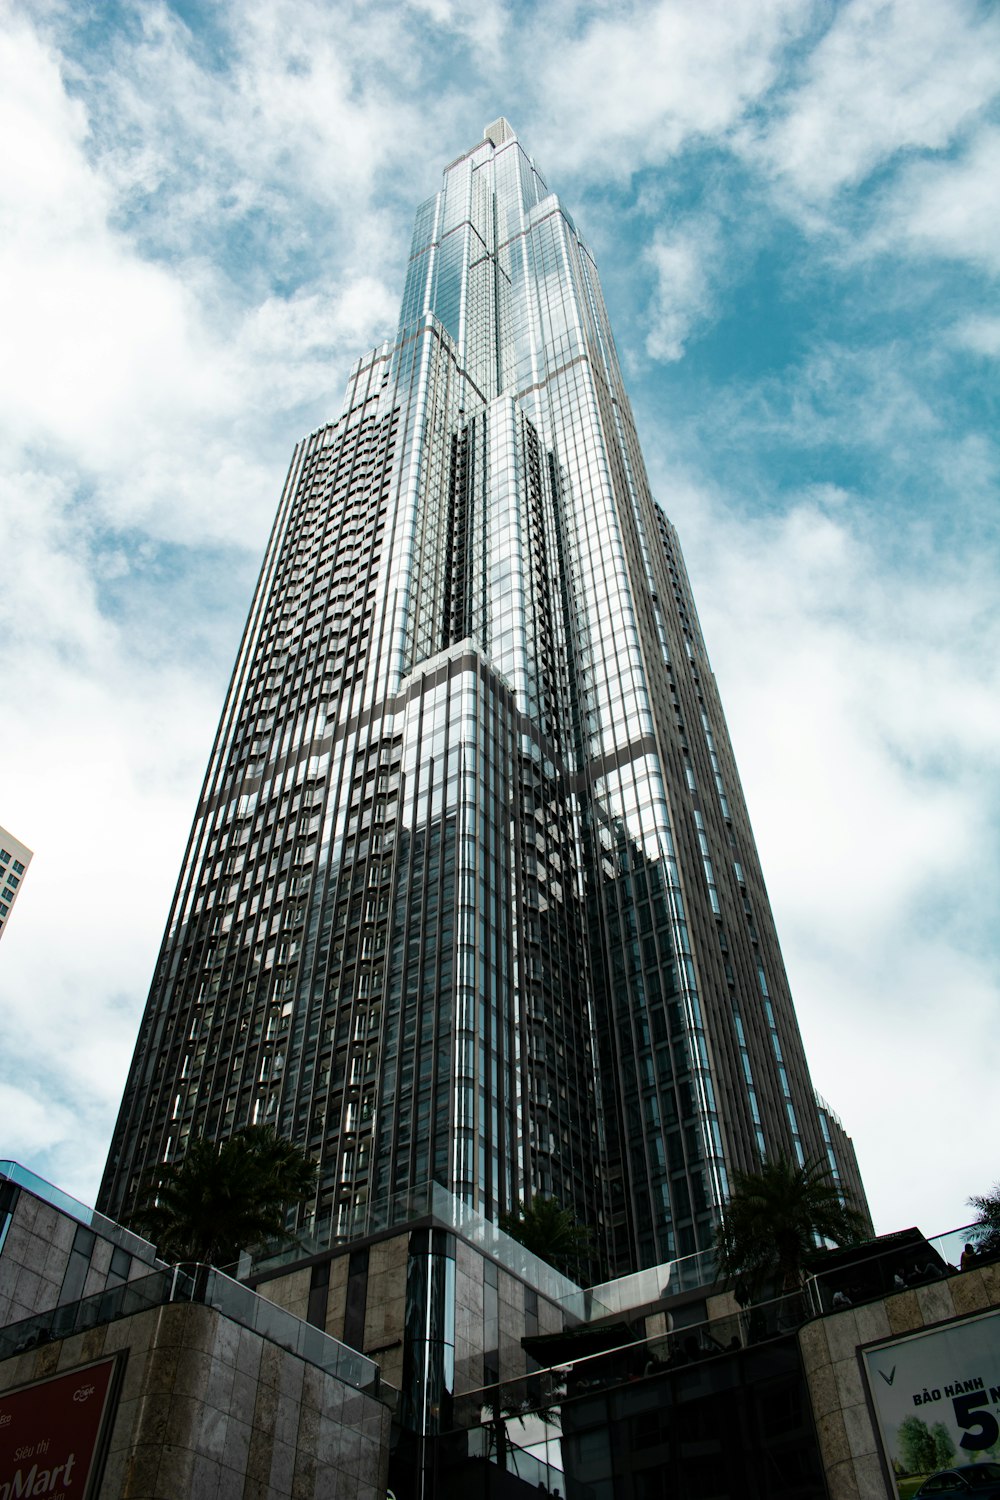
471 895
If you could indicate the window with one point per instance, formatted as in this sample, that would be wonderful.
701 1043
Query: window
18 867
4 856
121 1263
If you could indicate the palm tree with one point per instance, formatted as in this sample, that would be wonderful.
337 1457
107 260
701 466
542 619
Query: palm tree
551 1232
775 1219
987 1226
222 1197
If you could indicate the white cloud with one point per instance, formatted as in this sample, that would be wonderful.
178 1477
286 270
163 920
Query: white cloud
862 705
31 1124
485 29
819 99
884 404
888 76
948 208
103 753
105 736
292 102
630 86
48 602
980 334
685 260
132 376
289 347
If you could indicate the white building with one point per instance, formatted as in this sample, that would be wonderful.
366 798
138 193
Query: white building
15 858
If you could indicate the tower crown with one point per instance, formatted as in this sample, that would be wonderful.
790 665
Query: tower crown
500 132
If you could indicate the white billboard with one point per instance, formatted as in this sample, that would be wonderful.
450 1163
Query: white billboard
937 1397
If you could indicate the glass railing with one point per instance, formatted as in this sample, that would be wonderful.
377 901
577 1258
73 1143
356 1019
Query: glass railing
642 1288
536 1460
906 1262
89 1312
431 1201
74 1209
209 1288
904 1265
486 1236
531 1427
534 1399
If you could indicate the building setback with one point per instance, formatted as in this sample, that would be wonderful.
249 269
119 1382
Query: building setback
471 895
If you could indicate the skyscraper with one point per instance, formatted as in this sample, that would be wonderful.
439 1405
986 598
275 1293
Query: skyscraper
471 894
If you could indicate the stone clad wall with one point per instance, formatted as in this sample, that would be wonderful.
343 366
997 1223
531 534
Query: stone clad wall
36 1255
211 1410
385 1309
34 1259
468 1318
385 1306
385 1301
845 1426
290 1292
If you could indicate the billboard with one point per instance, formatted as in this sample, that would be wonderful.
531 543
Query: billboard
936 1395
51 1433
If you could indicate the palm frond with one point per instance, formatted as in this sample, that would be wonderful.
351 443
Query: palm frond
776 1218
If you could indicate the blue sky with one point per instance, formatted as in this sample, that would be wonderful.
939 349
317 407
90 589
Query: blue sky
204 219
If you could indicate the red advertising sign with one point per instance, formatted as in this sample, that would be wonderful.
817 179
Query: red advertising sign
50 1433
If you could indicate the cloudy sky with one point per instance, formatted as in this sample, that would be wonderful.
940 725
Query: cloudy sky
205 211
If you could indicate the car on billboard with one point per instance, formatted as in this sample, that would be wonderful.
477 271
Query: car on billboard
979 1480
